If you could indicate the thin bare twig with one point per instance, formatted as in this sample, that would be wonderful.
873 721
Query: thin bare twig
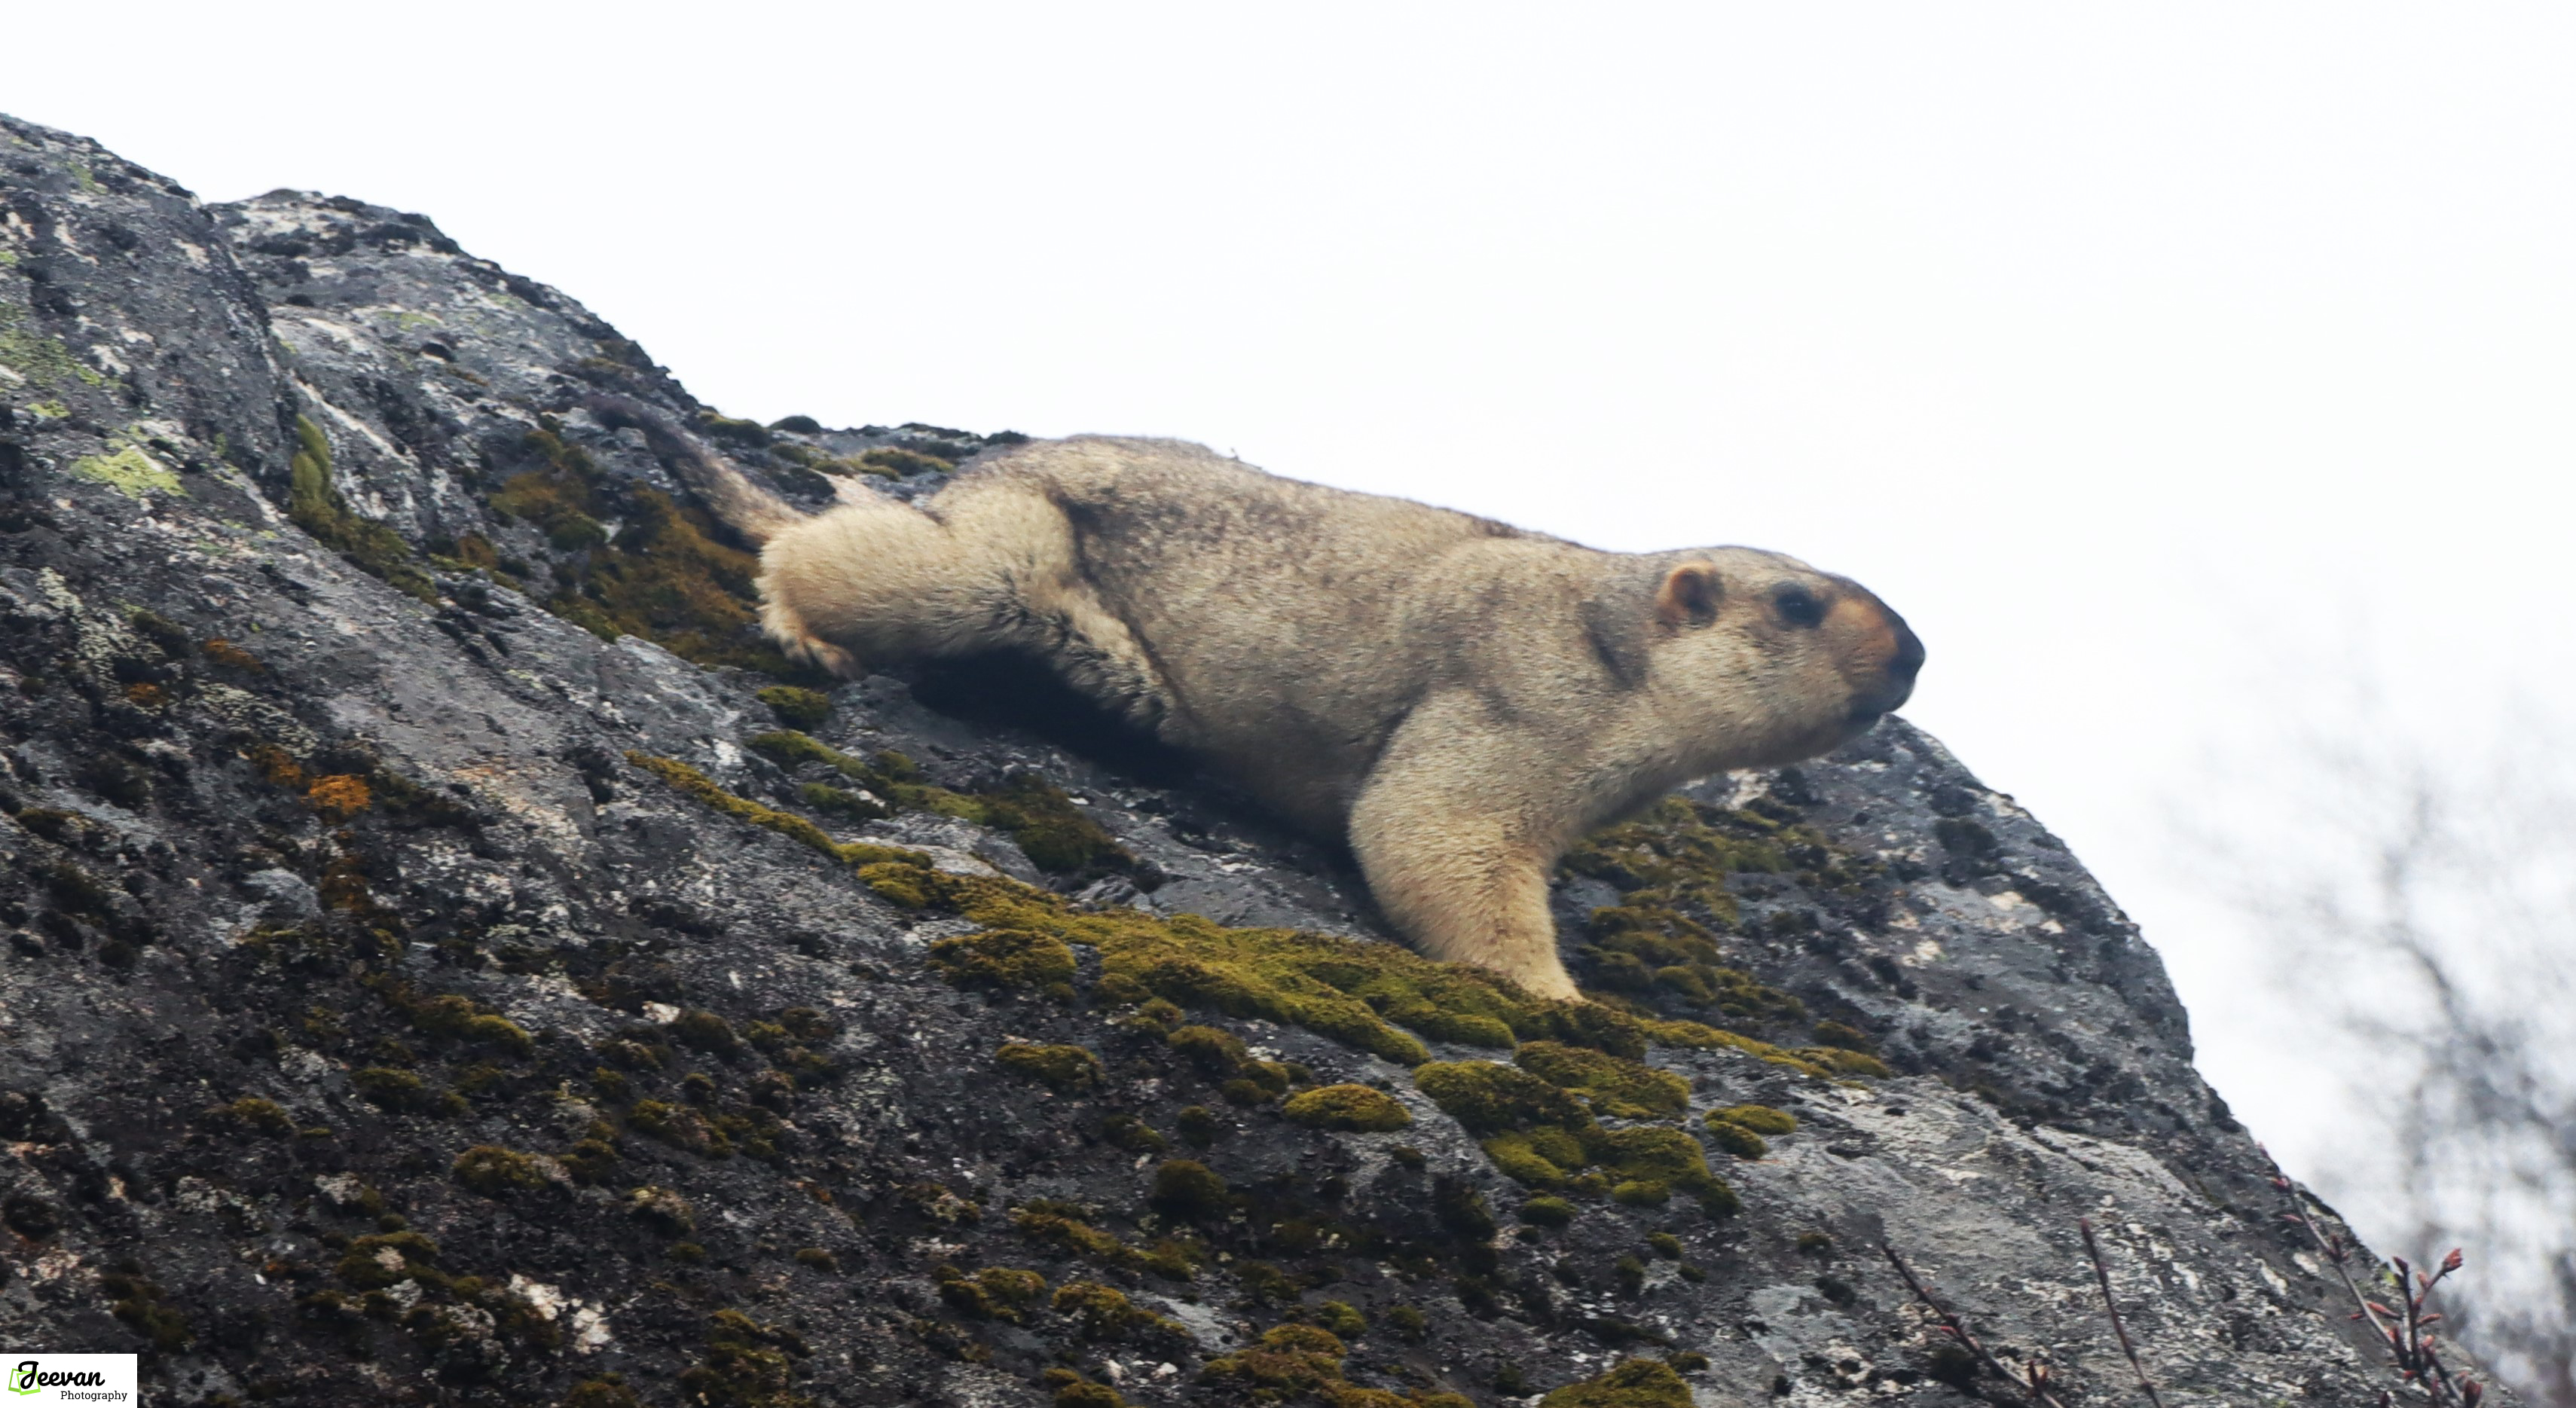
2036 1381
2332 1250
2102 1274
2411 1346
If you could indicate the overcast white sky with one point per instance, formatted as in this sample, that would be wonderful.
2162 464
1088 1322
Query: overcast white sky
2171 367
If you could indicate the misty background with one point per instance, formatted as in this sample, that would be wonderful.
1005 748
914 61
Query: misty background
2196 379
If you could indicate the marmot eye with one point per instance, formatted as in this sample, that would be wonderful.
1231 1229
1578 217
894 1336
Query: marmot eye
1798 606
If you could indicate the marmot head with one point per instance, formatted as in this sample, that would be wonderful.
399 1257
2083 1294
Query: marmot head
1766 660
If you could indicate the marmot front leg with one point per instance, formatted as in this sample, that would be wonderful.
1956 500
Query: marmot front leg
1092 650
1452 861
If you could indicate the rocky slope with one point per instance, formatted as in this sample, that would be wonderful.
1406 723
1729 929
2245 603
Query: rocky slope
452 959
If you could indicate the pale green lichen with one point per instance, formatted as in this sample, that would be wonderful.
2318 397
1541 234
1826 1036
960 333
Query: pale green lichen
128 471
38 358
49 410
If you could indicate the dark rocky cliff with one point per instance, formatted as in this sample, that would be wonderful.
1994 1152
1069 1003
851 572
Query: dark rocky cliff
452 959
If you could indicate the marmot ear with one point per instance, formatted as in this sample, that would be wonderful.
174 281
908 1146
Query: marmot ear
1689 595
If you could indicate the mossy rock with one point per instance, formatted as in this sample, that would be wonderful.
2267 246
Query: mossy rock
1057 836
1641 1192
1287 1360
901 462
668 574
1637 1383
1488 1097
1615 1085
834 801
1359 992
1339 1318
702 789
1188 1189
376 1262
1542 1134
1761 1119
1061 1067
1671 865
494 1171
606 1391
1662 1154
1042 819
392 1089
701 1030
1737 1140
314 503
1105 1314
1356 1108
1212 1049
1004 958
797 707
1547 1212
995 1293
258 1115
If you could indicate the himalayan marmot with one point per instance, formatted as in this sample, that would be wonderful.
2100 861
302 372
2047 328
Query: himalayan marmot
1456 698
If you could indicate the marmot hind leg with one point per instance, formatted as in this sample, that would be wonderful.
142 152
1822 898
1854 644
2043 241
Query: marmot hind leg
781 624
876 582
1449 863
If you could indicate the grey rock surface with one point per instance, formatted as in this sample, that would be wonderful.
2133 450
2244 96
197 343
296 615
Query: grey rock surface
354 1021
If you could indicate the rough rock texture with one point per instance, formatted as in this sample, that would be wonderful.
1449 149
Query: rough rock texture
436 972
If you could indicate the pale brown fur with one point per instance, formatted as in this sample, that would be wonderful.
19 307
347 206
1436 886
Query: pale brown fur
1459 699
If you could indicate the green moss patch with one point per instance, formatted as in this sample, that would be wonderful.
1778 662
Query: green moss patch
495 1172
1041 818
1362 993
1613 1085
667 575
995 1293
900 462
1542 1136
313 501
1105 1314
746 1363
1547 1211
1296 1361
1066 1229
797 707
1348 1107
1761 1119
1488 1098
1062 1067
1638 1383
1004 958
1737 1140
1051 831
1671 866
703 790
